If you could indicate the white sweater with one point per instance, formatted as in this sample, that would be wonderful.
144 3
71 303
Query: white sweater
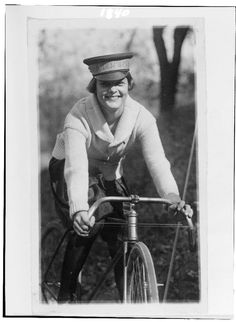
87 142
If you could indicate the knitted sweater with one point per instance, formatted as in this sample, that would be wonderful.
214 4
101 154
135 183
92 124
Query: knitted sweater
87 143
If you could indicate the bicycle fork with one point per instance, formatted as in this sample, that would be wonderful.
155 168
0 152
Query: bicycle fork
125 251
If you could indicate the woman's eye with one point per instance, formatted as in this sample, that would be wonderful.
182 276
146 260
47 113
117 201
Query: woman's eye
107 84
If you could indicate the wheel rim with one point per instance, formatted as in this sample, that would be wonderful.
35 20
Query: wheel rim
141 285
51 238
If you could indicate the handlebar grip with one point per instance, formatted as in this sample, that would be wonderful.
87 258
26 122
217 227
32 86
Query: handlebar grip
191 234
192 240
190 223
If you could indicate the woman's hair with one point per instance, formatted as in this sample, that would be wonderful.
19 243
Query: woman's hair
92 84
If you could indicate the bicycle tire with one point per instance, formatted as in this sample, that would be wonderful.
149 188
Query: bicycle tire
141 276
51 237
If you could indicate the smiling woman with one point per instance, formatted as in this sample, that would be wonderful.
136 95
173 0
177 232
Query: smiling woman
98 133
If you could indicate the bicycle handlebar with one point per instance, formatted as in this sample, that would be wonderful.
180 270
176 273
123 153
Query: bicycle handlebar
134 199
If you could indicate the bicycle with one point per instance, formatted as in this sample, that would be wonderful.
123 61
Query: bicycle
140 283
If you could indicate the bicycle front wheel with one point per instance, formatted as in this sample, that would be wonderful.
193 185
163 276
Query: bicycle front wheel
141 276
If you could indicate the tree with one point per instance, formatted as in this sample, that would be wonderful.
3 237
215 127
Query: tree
169 69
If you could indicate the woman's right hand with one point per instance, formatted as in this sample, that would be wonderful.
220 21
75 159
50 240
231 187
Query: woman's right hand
82 224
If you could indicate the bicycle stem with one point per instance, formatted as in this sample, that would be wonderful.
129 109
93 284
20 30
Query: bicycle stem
132 224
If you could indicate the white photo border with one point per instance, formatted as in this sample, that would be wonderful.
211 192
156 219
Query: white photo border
20 16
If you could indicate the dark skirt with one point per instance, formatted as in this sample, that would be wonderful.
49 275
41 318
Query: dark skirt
98 188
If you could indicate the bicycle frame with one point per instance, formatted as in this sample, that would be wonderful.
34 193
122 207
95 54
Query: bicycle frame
130 239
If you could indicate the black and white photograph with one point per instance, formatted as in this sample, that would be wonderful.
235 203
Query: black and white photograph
94 154
118 161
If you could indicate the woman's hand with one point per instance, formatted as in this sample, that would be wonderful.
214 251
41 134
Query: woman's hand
82 224
179 206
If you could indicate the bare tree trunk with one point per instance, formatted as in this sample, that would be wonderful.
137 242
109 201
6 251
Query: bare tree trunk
130 42
169 70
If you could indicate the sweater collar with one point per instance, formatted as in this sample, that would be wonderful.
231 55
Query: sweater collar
100 126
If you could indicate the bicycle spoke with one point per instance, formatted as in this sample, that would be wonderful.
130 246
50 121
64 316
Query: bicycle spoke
139 289
141 276
144 283
138 279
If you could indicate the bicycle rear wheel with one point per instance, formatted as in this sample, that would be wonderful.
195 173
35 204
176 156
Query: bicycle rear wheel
51 260
141 277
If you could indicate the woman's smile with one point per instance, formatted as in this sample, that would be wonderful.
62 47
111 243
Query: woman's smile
112 97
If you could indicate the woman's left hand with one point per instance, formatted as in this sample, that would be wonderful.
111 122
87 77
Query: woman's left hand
181 207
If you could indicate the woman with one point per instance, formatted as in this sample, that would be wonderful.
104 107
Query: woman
98 132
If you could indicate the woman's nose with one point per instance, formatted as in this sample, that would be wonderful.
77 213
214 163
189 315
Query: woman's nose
112 89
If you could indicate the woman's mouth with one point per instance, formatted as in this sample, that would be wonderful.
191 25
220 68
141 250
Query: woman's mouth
111 97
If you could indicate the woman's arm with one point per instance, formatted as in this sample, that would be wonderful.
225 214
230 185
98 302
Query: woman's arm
159 166
157 163
76 170
76 176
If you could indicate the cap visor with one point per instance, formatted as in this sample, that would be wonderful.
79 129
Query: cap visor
112 76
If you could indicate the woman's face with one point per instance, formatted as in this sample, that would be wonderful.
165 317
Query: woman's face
112 94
